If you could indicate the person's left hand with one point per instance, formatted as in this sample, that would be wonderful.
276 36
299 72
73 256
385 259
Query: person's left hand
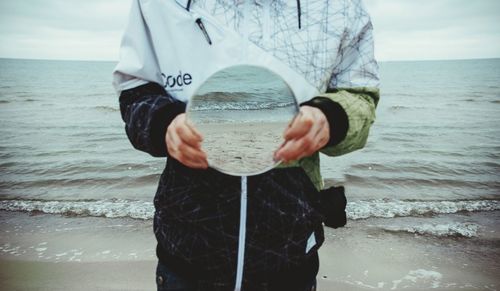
308 132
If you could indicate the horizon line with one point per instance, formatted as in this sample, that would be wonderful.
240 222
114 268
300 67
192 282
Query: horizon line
379 61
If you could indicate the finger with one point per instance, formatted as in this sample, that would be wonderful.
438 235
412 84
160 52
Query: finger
193 129
292 123
301 126
193 161
186 154
292 147
291 151
191 126
196 165
282 154
321 131
295 149
297 116
189 152
305 145
277 153
321 138
179 147
172 142
188 135
180 150
195 132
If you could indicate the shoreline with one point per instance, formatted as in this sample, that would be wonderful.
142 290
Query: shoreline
53 252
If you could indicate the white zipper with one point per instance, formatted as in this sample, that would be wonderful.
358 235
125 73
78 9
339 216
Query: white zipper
209 28
243 201
201 26
245 31
243 230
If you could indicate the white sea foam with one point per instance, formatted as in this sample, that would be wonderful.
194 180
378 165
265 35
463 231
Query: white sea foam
100 208
421 276
145 210
400 208
441 230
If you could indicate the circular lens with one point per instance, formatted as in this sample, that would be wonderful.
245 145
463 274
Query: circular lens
242 113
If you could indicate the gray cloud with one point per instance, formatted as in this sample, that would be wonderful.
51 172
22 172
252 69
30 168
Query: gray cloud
439 29
404 29
58 29
79 15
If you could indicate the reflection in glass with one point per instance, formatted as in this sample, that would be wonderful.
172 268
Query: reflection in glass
242 113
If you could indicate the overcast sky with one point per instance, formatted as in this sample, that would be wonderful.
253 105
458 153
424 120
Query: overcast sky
404 29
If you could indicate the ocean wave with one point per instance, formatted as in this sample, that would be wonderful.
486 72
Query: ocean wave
356 210
425 182
441 230
402 208
399 107
107 108
112 208
218 106
224 96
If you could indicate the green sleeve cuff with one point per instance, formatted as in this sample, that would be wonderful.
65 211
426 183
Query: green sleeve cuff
359 105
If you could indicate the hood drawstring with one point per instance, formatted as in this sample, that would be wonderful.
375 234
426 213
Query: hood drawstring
299 12
188 5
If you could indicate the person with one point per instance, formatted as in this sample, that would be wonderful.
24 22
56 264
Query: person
329 44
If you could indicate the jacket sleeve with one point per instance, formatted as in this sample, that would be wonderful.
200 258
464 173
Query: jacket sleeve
147 110
353 92
359 105
138 64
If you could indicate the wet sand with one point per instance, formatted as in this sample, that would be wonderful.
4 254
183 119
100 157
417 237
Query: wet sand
50 276
50 252
244 148
360 257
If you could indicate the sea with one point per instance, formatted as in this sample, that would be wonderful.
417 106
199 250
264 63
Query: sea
242 94
433 151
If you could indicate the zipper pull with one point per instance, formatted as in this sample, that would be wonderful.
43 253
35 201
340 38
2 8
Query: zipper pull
202 27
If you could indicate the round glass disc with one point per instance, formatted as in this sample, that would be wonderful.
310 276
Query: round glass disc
242 113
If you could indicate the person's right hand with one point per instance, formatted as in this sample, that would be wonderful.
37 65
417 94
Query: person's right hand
184 143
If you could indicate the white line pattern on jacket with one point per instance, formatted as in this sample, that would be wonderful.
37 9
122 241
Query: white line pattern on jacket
332 49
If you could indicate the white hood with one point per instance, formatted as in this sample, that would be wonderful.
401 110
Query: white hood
164 44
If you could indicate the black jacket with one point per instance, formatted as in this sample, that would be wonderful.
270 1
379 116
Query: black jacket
196 221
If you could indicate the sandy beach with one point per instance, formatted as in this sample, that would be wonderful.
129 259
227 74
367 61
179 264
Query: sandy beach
52 252
246 147
49 276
